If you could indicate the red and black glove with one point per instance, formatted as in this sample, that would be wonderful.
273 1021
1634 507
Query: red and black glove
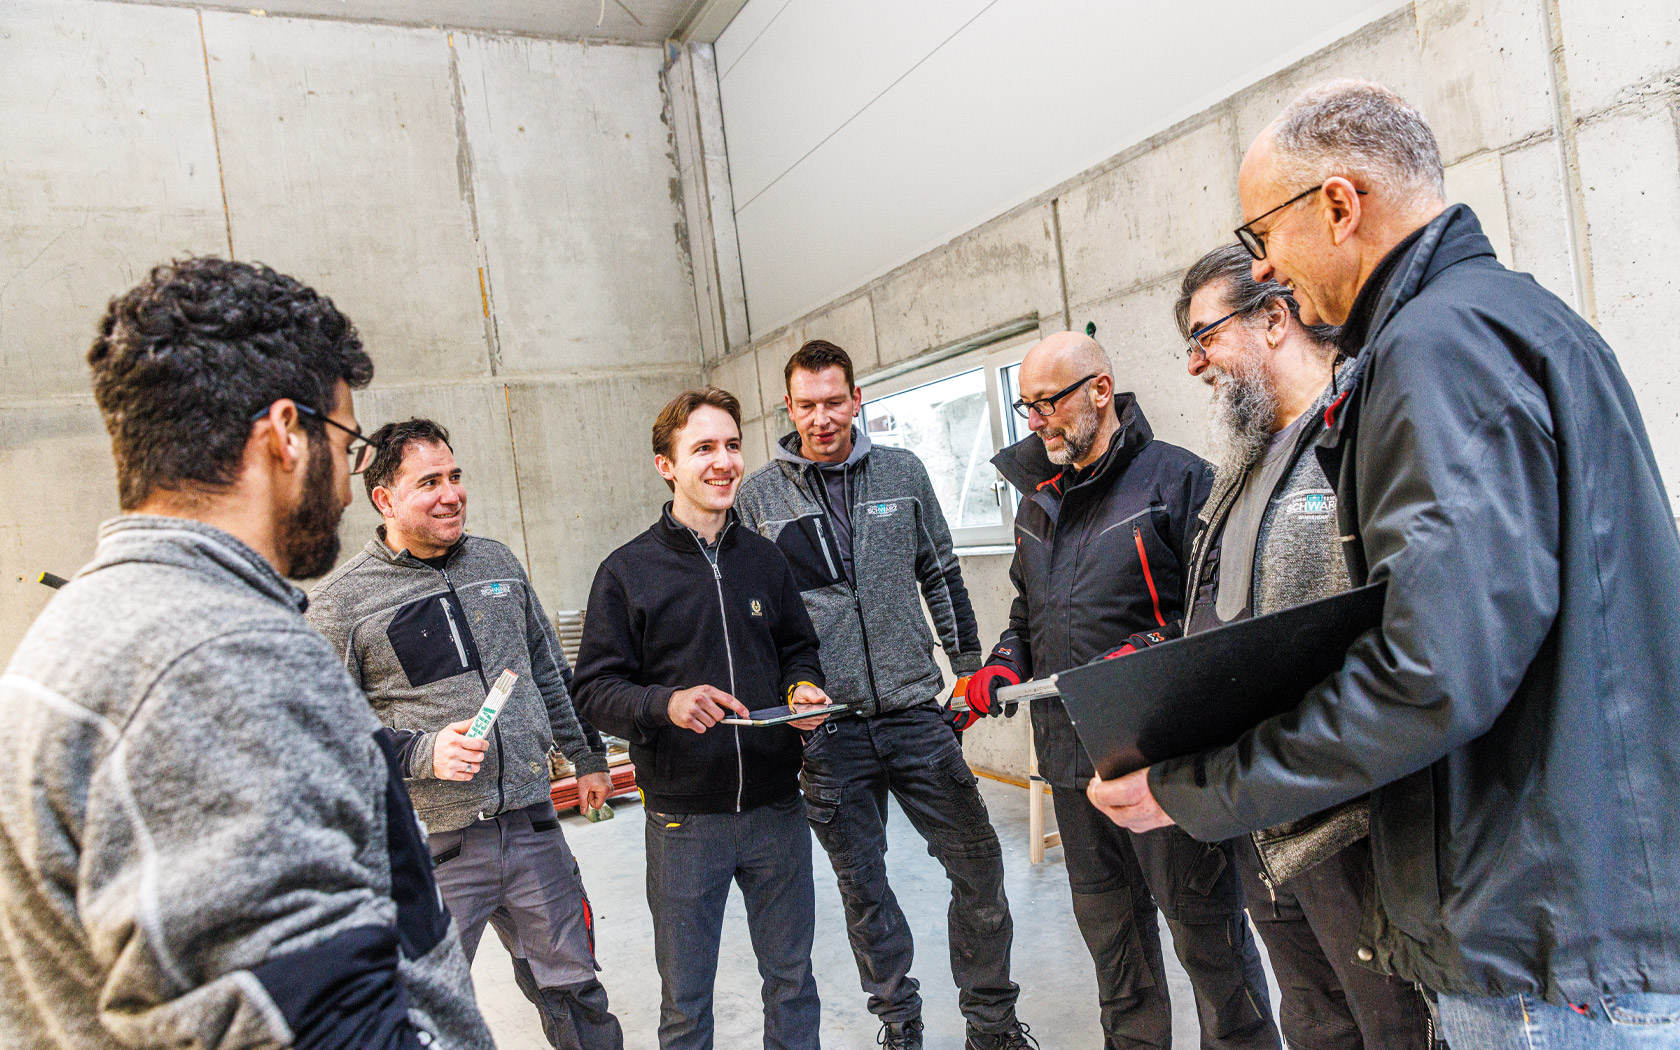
1143 640
1000 670
960 720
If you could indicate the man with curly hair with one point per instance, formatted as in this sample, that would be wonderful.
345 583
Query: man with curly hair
204 838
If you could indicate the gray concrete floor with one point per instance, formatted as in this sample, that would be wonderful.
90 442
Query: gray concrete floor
1058 984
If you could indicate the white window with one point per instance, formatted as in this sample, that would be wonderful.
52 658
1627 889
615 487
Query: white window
955 415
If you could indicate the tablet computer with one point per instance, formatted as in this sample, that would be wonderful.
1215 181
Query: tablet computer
775 716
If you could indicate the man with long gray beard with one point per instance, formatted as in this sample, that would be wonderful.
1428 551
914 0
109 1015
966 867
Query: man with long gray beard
1102 537
204 840
1268 541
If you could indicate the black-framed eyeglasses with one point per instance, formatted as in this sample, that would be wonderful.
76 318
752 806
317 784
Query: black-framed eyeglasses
361 451
1046 406
1256 242
1195 345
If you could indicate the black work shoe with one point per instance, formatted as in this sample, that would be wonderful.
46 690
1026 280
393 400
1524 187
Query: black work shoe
1017 1037
903 1036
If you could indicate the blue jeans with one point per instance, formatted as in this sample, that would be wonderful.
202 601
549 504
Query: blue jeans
1522 1022
691 861
851 764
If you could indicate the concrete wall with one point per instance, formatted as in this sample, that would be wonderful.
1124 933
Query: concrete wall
1558 120
500 216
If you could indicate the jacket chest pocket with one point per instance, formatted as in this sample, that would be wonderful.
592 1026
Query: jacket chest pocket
432 640
809 546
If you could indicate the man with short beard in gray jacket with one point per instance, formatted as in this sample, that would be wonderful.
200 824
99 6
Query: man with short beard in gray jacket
426 617
203 838
863 531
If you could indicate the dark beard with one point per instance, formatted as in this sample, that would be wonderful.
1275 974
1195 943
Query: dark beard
309 535
1244 409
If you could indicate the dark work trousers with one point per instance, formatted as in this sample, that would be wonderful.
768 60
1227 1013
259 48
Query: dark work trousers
691 861
516 872
1311 930
1118 880
850 766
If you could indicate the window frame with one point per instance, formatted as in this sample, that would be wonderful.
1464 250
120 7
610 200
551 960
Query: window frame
974 539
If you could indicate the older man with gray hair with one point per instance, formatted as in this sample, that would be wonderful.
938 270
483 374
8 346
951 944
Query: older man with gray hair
1512 714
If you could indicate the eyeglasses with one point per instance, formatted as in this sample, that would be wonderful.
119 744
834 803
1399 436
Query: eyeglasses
361 451
1195 345
1256 242
1046 406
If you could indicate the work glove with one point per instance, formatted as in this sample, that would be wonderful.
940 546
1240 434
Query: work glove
959 719
1143 640
999 671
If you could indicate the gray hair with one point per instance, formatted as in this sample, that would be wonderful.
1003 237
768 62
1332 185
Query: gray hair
1242 294
1357 127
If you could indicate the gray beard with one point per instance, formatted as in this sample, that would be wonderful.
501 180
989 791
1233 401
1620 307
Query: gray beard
1243 411
1077 441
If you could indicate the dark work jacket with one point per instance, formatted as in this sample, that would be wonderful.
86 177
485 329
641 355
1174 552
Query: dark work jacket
1096 563
660 619
1514 712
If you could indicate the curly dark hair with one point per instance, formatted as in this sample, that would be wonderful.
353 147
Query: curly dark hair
392 441
185 358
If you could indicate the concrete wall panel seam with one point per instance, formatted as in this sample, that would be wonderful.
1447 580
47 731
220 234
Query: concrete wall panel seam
469 200
215 135
1569 166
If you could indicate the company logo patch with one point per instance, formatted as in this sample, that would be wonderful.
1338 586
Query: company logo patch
757 607
883 510
495 590
1311 505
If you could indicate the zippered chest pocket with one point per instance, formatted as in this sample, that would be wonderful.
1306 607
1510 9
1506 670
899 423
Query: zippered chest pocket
430 638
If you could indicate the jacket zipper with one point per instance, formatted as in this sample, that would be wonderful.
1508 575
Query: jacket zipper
729 654
496 729
454 631
822 541
857 602
1148 577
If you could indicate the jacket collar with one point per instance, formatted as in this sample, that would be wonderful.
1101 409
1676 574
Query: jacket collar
679 537
188 544
1026 466
786 450
1446 240
377 548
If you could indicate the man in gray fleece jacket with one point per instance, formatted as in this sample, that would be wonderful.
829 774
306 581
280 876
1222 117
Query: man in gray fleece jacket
862 529
203 839
1268 540
426 617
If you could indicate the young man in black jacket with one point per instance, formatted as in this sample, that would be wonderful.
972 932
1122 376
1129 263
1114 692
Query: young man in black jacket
695 621
1101 538
1513 713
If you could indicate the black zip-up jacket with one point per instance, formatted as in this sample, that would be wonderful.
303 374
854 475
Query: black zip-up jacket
1095 563
663 616
1514 713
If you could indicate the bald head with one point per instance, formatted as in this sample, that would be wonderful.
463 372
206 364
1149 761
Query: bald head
1073 354
1072 368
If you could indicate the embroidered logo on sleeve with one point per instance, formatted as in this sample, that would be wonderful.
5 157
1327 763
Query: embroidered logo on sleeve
495 590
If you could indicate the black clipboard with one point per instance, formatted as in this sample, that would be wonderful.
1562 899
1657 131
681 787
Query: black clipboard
1203 692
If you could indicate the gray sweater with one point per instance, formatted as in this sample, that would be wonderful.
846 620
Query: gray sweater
876 648
425 644
199 832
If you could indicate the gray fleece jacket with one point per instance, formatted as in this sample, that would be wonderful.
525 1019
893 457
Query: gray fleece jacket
876 647
203 840
425 644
